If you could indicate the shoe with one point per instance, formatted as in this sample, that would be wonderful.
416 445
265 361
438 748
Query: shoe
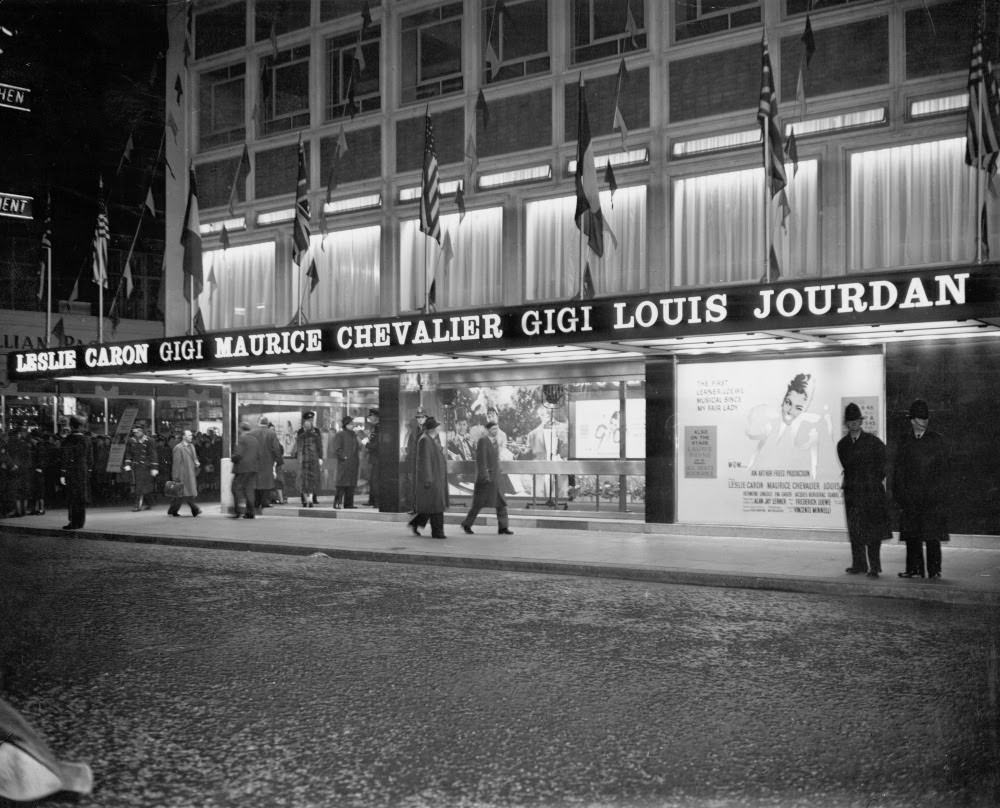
854 570
196 512
873 575
910 574
438 537
136 508
935 577
146 507
505 532
172 513
236 516
249 516
414 529
467 529
309 504
350 507
69 527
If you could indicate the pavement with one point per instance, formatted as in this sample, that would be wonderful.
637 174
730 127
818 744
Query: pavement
569 544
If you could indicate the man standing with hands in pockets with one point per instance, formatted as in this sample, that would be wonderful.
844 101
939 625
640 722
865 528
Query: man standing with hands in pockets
487 493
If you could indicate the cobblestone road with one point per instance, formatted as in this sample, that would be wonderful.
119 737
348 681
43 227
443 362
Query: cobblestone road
209 678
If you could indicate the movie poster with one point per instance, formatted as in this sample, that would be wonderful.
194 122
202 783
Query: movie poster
758 439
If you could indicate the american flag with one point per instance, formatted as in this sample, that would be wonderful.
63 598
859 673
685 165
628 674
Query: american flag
767 114
982 123
101 234
430 194
300 232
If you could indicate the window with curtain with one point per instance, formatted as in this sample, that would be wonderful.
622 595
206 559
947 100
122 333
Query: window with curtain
552 262
467 276
718 227
239 288
348 265
913 205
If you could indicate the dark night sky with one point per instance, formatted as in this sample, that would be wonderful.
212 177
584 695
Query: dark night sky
88 65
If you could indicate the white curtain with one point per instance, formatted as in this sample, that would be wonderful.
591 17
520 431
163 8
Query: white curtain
348 265
470 277
552 241
239 289
718 227
913 205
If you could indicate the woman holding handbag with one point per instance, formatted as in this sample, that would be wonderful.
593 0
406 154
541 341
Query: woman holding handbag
183 486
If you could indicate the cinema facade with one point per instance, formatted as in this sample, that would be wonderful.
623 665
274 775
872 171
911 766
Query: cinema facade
662 407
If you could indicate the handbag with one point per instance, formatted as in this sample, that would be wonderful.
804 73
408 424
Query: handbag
173 488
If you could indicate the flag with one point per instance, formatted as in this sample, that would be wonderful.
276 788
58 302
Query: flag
191 242
767 114
113 314
587 288
59 332
588 215
172 124
101 234
224 238
447 252
178 88
618 121
630 27
808 49
786 209
149 201
460 202
471 153
984 235
187 51
359 58
46 247
127 276
126 155
313 274
483 109
300 227
792 151
492 60
273 37
432 297
75 293
199 322
242 173
339 150
213 284
612 183
982 123
430 194
366 18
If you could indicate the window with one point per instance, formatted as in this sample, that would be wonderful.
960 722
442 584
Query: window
431 59
607 28
284 91
913 205
470 277
220 29
220 106
718 227
695 18
351 79
348 264
552 267
519 38
239 290
276 17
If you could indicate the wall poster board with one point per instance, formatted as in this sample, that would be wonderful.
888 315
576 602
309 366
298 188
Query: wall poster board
757 439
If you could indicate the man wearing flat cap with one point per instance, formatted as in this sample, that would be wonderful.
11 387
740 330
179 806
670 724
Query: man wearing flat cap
920 483
347 450
309 451
862 456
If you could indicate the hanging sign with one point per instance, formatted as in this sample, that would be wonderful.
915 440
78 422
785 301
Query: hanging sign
15 206
13 97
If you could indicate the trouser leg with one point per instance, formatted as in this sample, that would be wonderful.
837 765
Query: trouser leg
933 558
859 558
437 524
915 557
874 556
348 496
502 520
470 517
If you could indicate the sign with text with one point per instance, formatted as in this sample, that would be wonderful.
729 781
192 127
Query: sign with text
14 97
759 437
15 206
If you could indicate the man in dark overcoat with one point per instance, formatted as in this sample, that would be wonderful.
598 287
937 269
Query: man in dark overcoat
271 453
347 450
862 456
487 493
920 486
430 485
245 462
77 465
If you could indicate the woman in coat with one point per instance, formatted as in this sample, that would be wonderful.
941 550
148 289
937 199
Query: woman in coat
348 453
142 461
184 469
309 451
430 485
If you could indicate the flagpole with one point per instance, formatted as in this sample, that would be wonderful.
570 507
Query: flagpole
978 218
48 294
427 291
767 202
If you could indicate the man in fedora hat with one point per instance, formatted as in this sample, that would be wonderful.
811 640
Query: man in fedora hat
347 450
920 487
430 482
862 456
487 493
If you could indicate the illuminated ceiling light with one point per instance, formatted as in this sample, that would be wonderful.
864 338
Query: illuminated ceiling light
499 179
715 143
873 116
939 105
275 217
618 159
352 204
231 225
448 188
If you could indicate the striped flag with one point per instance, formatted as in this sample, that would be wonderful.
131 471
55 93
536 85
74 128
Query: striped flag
101 234
300 227
767 114
588 214
191 242
430 193
982 123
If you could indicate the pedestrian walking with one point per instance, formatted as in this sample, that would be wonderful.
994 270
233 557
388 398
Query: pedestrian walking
245 461
920 485
77 465
862 456
309 451
348 453
374 473
184 470
486 492
430 489
142 461
271 454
